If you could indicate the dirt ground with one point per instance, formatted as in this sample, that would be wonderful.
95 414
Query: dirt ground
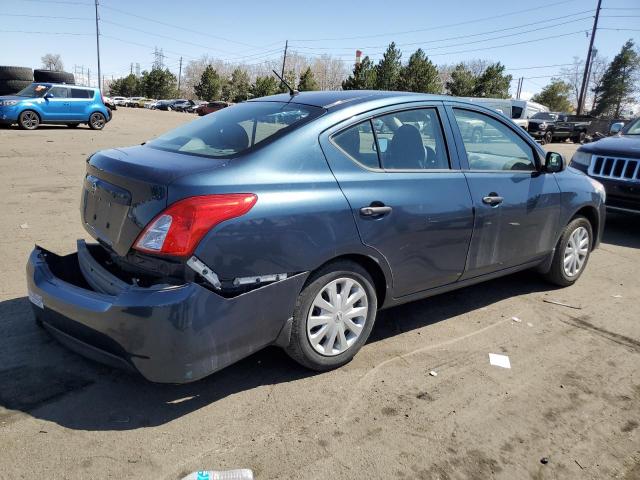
572 393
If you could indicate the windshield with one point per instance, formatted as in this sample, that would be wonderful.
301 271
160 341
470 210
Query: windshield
236 129
33 91
633 128
544 116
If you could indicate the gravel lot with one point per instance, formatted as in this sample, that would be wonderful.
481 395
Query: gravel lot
572 393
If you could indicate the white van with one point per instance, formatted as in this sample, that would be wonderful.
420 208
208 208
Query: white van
517 110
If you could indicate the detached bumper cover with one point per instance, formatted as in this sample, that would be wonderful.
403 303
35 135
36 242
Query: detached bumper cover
170 334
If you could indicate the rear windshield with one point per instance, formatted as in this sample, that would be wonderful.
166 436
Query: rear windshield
235 129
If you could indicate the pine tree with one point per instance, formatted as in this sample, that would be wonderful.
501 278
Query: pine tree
307 81
555 96
618 83
210 85
462 83
388 69
363 76
264 86
493 83
237 88
420 75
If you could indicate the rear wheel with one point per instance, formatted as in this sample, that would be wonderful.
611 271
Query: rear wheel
28 120
572 252
548 137
334 316
97 121
579 138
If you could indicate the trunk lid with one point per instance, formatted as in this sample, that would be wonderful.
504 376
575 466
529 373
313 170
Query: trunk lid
124 189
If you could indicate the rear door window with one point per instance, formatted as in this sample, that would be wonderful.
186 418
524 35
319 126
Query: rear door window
81 93
411 140
59 92
491 145
358 143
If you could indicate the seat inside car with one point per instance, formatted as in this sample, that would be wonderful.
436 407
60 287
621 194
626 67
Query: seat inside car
406 150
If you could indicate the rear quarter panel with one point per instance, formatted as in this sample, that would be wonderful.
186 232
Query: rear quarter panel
300 221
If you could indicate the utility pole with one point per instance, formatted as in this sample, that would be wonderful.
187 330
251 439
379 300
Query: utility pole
131 68
587 64
98 46
88 77
519 89
179 76
284 59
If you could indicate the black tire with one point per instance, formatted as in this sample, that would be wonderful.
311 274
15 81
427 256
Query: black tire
579 138
548 137
557 274
54 77
28 120
73 125
300 348
16 73
9 87
97 121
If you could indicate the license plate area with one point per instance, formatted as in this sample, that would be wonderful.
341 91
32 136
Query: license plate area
105 208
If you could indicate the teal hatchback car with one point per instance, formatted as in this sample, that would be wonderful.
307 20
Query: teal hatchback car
54 104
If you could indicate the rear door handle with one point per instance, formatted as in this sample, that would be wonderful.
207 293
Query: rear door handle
375 211
492 199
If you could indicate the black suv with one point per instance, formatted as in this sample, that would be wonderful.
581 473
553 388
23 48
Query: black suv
552 126
615 162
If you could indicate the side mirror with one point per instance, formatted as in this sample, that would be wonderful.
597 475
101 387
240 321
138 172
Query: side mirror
554 162
615 128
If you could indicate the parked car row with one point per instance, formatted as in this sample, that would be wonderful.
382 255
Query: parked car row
177 105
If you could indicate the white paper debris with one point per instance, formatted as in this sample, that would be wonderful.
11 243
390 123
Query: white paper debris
529 324
24 226
241 474
616 296
433 374
499 360
516 319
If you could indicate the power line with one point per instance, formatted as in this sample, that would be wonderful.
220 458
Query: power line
61 2
540 66
44 33
178 27
539 7
43 16
458 37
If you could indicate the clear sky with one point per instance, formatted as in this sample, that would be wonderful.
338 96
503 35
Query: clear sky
522 35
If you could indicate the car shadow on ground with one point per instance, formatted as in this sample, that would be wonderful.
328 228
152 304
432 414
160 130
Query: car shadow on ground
41 378
622 230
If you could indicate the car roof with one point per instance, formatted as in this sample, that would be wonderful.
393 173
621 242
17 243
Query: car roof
334 99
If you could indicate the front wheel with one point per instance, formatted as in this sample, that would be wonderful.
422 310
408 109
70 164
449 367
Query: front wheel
579 138
572 253
333 317
97 121
28 120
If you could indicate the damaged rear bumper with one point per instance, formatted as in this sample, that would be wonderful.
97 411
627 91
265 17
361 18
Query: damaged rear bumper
168 333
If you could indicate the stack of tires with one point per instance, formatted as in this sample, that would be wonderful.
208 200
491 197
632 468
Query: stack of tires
49 76
14 79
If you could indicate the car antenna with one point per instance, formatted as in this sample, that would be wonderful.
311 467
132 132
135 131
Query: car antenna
292 91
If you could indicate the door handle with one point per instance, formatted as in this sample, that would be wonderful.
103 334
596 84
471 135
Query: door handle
492 199
375 211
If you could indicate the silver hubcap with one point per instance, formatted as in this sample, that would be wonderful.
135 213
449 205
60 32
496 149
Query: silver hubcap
576 252
337 316
29 119
97 120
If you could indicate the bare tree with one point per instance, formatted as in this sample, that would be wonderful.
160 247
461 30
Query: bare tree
52 61
598 67
329 72
573 76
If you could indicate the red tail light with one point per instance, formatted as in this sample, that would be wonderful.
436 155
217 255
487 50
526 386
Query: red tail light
178 229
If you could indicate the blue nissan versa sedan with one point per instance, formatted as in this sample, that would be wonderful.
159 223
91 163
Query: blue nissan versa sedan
290 220
54 103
